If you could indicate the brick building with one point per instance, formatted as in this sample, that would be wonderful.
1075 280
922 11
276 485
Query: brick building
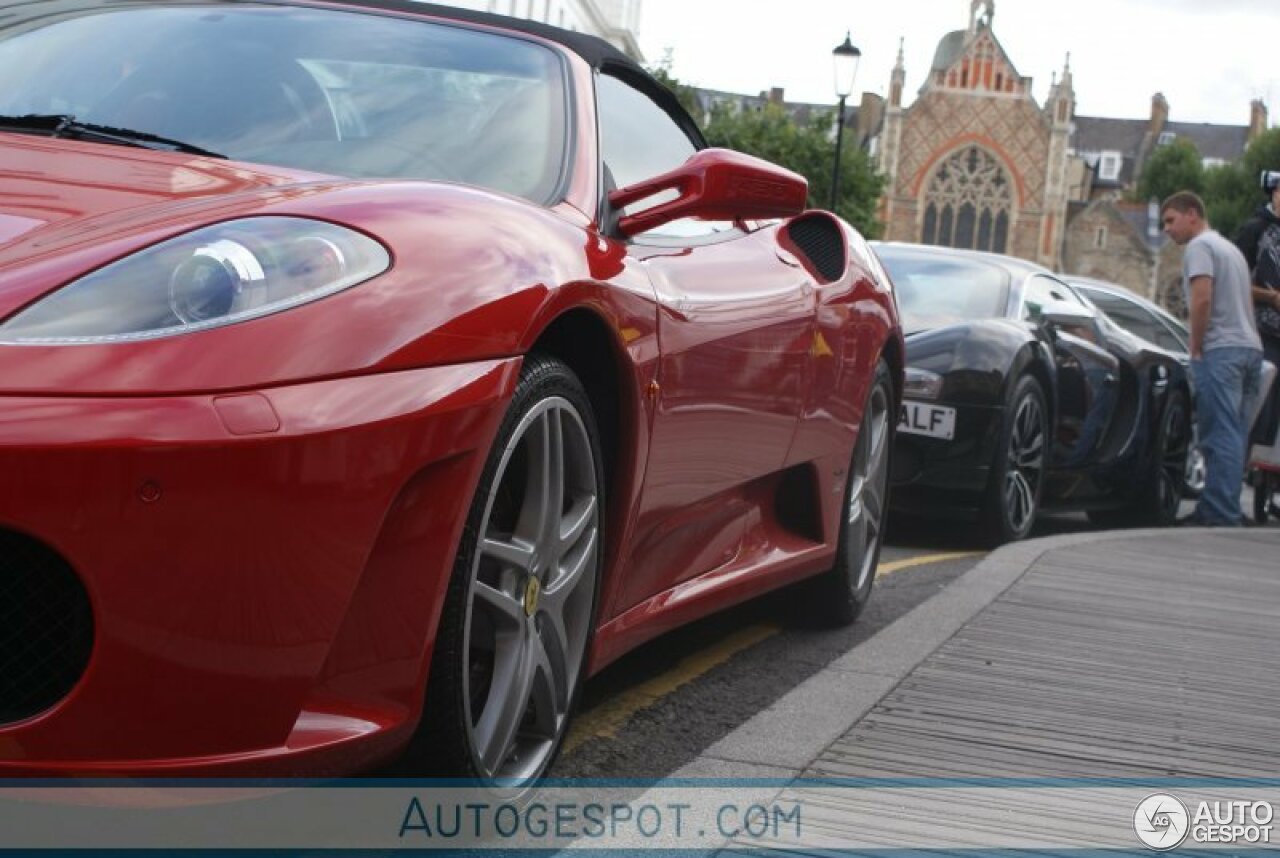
975 161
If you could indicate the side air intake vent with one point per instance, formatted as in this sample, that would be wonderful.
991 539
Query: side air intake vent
819 240
46 627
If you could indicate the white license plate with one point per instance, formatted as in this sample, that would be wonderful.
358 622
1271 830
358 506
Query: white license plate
932 421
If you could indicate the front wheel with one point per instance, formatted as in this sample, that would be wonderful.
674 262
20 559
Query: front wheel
1017 475
517 624
841 593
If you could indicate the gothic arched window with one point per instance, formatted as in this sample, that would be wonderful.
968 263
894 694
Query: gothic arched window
968 202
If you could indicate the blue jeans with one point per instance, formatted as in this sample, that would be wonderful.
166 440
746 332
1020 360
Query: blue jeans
1227 381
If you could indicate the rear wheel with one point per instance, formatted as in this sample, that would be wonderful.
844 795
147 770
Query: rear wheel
1156 502
1013 495
844 590
517 624
1264 486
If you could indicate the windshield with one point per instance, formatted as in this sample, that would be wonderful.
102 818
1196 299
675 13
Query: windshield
934 290
344 93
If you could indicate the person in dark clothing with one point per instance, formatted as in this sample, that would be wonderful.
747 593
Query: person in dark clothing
1259 241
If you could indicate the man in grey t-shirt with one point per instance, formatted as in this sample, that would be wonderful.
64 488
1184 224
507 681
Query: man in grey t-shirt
1226 353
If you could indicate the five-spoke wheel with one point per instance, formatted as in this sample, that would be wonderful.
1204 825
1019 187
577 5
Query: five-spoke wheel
517 626
843 591
1018 472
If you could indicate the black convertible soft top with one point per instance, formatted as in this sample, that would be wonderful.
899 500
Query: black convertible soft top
596 51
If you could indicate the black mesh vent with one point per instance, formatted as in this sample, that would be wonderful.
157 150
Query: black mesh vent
819 239
46 628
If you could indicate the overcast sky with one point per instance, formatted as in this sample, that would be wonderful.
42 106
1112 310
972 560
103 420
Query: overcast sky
1210 58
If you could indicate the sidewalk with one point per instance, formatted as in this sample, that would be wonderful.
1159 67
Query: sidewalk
1140 654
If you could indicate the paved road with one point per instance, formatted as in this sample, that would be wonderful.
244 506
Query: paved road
659 706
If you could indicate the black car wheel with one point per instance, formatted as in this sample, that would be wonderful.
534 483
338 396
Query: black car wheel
1013 495
1265 485
512 647
841 593
1156 501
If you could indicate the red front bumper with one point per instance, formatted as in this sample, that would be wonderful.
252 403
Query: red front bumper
265 569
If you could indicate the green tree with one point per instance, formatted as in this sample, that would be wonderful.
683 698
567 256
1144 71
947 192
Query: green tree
1232 192
685 94
1171 168
809 150
1229 197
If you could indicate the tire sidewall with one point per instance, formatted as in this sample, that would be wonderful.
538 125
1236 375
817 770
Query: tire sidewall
1151 498
442 745
996 512
850 559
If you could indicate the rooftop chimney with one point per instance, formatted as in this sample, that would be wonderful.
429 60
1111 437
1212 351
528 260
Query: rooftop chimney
1257 119
1159 114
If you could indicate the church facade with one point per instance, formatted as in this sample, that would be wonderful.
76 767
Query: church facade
976 162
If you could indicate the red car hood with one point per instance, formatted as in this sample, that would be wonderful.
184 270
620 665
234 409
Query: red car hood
471 268
74 206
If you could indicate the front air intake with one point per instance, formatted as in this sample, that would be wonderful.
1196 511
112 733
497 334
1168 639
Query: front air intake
46 627
817 238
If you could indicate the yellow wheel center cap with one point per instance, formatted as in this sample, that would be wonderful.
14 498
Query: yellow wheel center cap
531 590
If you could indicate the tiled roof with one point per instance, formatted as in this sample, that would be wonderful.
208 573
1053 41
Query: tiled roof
800 112
949 50
1227 142
1099 134
1127 136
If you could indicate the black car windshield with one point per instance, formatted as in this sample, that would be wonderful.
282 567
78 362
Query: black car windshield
933 289
338 92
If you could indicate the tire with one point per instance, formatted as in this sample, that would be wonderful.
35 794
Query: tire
1263 487
1155 503
517 624
1194 484
1017 475
839 594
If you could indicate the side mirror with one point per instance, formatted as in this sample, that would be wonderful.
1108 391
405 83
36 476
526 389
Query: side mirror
714 184
1067 314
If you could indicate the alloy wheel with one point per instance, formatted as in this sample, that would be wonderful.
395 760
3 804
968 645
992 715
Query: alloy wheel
532 588
1025 463
865 518
1175 451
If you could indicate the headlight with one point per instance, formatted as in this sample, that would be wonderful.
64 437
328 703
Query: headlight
921 384
214 276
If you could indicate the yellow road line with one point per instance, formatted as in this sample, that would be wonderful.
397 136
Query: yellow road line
923 560
605 720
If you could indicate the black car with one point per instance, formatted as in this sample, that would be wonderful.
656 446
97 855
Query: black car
1020 396
1154 324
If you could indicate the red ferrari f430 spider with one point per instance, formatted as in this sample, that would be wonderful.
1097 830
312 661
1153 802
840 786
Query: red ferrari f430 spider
371 373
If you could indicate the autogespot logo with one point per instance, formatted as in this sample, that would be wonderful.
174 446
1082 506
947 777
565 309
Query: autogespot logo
1161 821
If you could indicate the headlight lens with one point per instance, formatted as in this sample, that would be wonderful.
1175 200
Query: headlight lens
214 276
921 384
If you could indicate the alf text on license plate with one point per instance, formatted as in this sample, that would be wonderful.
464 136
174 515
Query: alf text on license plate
933 421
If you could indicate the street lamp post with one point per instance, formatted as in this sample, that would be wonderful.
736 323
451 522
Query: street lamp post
845 58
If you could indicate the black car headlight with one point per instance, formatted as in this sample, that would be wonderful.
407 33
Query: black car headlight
215 276
921 384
